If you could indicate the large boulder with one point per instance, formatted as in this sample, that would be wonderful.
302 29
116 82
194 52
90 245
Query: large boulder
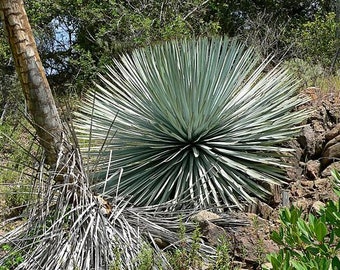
331 151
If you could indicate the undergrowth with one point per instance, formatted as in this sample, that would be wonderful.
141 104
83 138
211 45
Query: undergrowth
309 242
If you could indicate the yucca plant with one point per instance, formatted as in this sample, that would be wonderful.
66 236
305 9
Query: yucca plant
200 119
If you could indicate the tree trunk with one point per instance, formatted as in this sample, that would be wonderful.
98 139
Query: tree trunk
38 95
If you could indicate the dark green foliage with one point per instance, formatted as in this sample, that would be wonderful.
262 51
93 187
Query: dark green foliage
315 41
76 38
232 15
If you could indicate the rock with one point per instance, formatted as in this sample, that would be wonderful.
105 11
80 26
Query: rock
299 191
312 169
319 144
322 183
253 243
204 215
212 233
327 172
333 141
334 132
332 110
265 210
318 127
276 190
294 171
320 115
331 151
307 184
161 243
285 198
313 93
298 152
253 206
307 140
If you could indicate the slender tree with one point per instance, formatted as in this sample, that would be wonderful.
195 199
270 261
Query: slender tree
36 89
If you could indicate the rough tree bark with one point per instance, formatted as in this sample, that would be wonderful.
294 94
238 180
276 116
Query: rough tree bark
38 95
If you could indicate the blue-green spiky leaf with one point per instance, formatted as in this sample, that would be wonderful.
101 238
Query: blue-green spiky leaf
192 118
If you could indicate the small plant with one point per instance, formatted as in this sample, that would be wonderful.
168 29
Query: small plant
309 74
146 258
259 245
17 193
195 259
13 259
260 251
187 254
223 261
115 265
255 222
312 243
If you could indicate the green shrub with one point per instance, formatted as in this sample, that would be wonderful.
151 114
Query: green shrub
312 243
315 41
187 254
223 260
146 258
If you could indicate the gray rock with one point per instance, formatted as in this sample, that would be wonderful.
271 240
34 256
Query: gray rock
265 210
212 233
327 171
204 215
331 151
331 134
307 140
319 144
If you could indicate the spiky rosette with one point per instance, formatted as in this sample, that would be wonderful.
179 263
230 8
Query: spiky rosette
200 118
